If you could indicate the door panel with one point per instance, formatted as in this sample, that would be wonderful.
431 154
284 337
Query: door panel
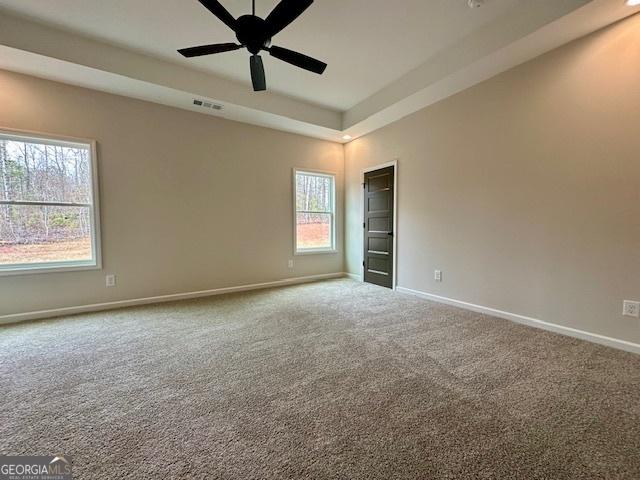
378 182
378 245
379 224
380 202
378 227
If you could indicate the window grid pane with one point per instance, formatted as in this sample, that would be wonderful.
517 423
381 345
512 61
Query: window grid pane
314 231
40 234
33 171
313 193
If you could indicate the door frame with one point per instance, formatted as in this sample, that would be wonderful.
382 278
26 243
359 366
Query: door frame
394 164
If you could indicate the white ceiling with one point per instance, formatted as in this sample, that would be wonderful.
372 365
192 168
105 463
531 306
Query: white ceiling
387 58
367 43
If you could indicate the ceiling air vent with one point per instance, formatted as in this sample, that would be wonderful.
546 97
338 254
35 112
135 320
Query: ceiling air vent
206 104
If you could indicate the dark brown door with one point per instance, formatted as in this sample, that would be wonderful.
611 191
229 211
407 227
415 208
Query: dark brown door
378 227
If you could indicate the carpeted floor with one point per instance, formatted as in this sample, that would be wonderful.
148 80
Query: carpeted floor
333 380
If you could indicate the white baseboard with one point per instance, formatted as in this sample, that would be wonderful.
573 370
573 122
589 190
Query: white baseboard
353 276
58 312
533 322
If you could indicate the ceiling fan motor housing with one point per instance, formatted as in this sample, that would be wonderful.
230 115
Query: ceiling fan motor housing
251 31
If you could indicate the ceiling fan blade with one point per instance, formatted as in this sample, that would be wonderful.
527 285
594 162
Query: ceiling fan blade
208 49
285 13
257 73
219 11
298 59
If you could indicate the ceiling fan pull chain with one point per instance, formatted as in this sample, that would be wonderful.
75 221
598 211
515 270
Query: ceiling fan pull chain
254 7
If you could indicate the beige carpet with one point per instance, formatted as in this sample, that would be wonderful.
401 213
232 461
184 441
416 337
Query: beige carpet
334 380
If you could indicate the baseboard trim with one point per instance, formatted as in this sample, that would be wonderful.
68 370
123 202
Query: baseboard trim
533 322
353 276
96 307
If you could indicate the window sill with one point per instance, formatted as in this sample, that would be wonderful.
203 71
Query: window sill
319 251
48 268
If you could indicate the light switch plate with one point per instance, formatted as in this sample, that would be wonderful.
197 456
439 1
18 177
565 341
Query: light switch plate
111 280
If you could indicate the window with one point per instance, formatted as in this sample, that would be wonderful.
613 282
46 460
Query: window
314 212
48 204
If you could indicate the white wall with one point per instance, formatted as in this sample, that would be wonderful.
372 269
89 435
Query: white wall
524 190
189 202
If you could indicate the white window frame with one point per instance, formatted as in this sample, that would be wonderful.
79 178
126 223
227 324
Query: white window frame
94 208
314 251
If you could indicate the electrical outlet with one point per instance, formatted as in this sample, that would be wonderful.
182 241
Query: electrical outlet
631 309
111 280
290 263
437 275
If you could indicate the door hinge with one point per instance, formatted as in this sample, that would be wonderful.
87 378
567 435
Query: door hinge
363 263
364 225
364 185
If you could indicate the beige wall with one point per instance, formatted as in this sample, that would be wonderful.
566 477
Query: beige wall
188 202
524 190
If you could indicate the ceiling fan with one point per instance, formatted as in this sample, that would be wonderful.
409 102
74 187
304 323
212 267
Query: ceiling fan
255 33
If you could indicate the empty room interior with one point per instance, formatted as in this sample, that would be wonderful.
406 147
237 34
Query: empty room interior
287 239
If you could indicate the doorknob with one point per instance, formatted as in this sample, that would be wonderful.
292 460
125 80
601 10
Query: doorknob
390 234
